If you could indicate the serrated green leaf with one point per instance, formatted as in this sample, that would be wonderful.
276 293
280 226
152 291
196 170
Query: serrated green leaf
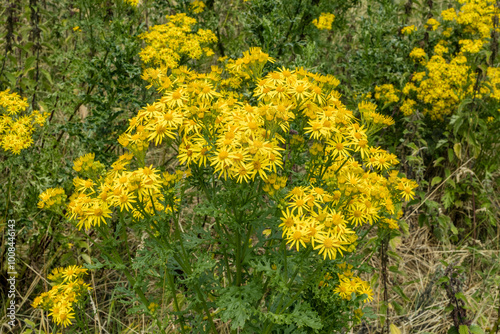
394 243
404 227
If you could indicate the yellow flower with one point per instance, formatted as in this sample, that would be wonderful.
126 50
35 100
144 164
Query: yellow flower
408 30
328 245
324 21
197 6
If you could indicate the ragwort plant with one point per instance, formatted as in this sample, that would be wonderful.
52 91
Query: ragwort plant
256 226
456 82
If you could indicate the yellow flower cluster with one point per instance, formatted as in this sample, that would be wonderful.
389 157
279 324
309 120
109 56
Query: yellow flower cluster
386 93
134 3
374 119
493 74
197 6
352 284
249 66
348 284
68 288
447 81
136 191
88 166
169 179
408 30
418 54
432 23
359 195
52 199
171 44
443 86
273 183
471 46
219 129
16 130
324 22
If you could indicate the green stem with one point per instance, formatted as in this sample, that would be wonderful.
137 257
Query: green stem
171 283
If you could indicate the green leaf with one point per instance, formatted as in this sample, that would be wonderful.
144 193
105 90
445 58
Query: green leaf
463 329
422 218
451 155
444 279
453 229
12 79
394 243
400 292
461 296
436 180
86 258
47 75
437 162
398 308
29 62
475 329
29 323
453 330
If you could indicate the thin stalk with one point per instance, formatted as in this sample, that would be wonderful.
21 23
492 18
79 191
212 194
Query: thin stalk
170 279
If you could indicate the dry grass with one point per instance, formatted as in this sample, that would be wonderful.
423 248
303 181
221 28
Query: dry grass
420 259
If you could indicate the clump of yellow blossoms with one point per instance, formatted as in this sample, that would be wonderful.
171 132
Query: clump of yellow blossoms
197 6
274 183
408 30
52 199
134 3
171 44
349 284
374 120
448 78
68 288
138 191
324 22
418 54
386 93
432 23
86 164
16 129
